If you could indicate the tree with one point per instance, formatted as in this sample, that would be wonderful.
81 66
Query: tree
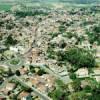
78 57
96 29
62 28
79 96
94 35
10 41
50 52
18 73
73 76
41 72
60 92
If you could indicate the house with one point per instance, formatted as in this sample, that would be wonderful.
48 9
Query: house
97 74
82 72
35 81
4 68
70 88
98 52
2 48
86 44
10 86
84 83
24 96
2 98
15 49
23 70
9 54
42 88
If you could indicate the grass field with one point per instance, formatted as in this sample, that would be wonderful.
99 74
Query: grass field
5 7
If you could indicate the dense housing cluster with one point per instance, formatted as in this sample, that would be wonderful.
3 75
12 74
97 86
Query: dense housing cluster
50 53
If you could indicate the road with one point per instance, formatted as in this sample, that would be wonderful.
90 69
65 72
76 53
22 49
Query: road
42 95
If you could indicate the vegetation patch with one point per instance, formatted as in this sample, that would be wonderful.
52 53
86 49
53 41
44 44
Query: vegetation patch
60 92
30 13
10 41
78 57
15 61
94 36
5 7
37 70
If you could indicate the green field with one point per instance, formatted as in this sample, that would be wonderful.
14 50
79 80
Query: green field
5 7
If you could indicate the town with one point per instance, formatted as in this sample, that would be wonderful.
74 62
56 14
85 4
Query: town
50 53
